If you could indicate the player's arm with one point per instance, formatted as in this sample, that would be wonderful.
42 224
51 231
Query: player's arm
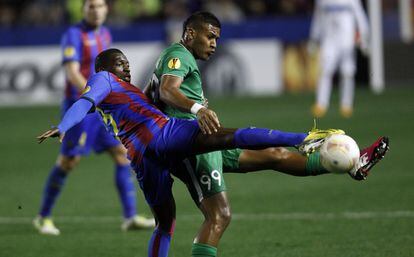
73 116
73 74
99 86
315 29
171 95
363 26
316 26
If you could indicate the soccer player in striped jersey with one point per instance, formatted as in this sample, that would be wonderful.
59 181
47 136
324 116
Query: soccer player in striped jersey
80 45
176 87
157 144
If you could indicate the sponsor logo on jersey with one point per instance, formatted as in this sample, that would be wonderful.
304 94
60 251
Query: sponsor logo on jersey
69 52
86 90
174 63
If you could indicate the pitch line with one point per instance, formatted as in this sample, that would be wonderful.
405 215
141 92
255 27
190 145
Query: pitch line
350 215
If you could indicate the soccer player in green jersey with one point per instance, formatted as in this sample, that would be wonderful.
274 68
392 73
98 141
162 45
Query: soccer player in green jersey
176 88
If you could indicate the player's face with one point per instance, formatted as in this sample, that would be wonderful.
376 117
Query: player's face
119 65
95 12
205 41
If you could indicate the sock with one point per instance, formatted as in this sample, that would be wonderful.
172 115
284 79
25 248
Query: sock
51 191
203 250
126 190
314 166
159 243
258 138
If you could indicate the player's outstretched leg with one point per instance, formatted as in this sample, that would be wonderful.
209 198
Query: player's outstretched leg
369 157
278 159
245 138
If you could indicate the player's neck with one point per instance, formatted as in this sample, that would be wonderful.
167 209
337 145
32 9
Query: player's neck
90 26
186 46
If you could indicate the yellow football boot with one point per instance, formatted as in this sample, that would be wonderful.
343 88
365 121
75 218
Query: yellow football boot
315 138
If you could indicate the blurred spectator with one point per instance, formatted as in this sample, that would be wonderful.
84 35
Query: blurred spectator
175 12
7 15
225 10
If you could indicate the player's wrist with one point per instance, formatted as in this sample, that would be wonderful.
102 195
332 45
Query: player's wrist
196 108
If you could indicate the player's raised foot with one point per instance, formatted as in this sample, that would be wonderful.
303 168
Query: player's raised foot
45 226
369 157
315 139
318 111
137 222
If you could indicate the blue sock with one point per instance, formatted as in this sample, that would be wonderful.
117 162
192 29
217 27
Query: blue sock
126 189
159 243
51 191
258 138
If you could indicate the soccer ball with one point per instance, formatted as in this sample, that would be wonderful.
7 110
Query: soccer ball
339 153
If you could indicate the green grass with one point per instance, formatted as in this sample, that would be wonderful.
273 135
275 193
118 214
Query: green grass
303 217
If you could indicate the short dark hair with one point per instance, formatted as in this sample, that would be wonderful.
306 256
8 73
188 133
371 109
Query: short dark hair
197 19
103 58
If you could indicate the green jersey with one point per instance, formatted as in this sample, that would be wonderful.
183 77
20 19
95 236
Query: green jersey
176 60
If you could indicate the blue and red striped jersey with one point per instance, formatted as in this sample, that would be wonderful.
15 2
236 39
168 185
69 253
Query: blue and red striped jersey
126 110
82 43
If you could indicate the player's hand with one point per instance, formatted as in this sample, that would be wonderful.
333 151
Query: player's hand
208 121
54 132
363 46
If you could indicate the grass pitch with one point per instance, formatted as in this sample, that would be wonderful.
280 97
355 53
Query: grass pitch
273 214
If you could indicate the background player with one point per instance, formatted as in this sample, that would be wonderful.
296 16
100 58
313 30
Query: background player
334 26
81 44
176 87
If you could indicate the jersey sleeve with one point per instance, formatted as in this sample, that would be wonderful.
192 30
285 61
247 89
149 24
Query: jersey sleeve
71 46
175 63
97 88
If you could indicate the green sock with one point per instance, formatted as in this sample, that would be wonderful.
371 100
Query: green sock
203 250
314 166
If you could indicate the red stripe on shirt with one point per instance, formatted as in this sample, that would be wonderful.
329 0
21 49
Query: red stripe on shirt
123 98
159 119
133 154
140 131
86 55
98 39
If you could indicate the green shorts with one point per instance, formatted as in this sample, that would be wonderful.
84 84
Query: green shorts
203 174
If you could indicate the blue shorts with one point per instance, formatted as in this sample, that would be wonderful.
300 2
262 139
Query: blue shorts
164 152
88 134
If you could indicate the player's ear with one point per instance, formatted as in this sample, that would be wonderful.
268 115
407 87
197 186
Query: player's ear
190 34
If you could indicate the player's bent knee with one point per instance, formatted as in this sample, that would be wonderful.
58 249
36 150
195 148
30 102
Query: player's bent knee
221 219
68 163
118 154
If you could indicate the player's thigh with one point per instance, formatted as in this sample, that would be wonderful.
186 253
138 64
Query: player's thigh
155 180
203 175
348 62
329 58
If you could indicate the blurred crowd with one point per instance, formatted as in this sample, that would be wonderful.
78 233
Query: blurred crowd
62 12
